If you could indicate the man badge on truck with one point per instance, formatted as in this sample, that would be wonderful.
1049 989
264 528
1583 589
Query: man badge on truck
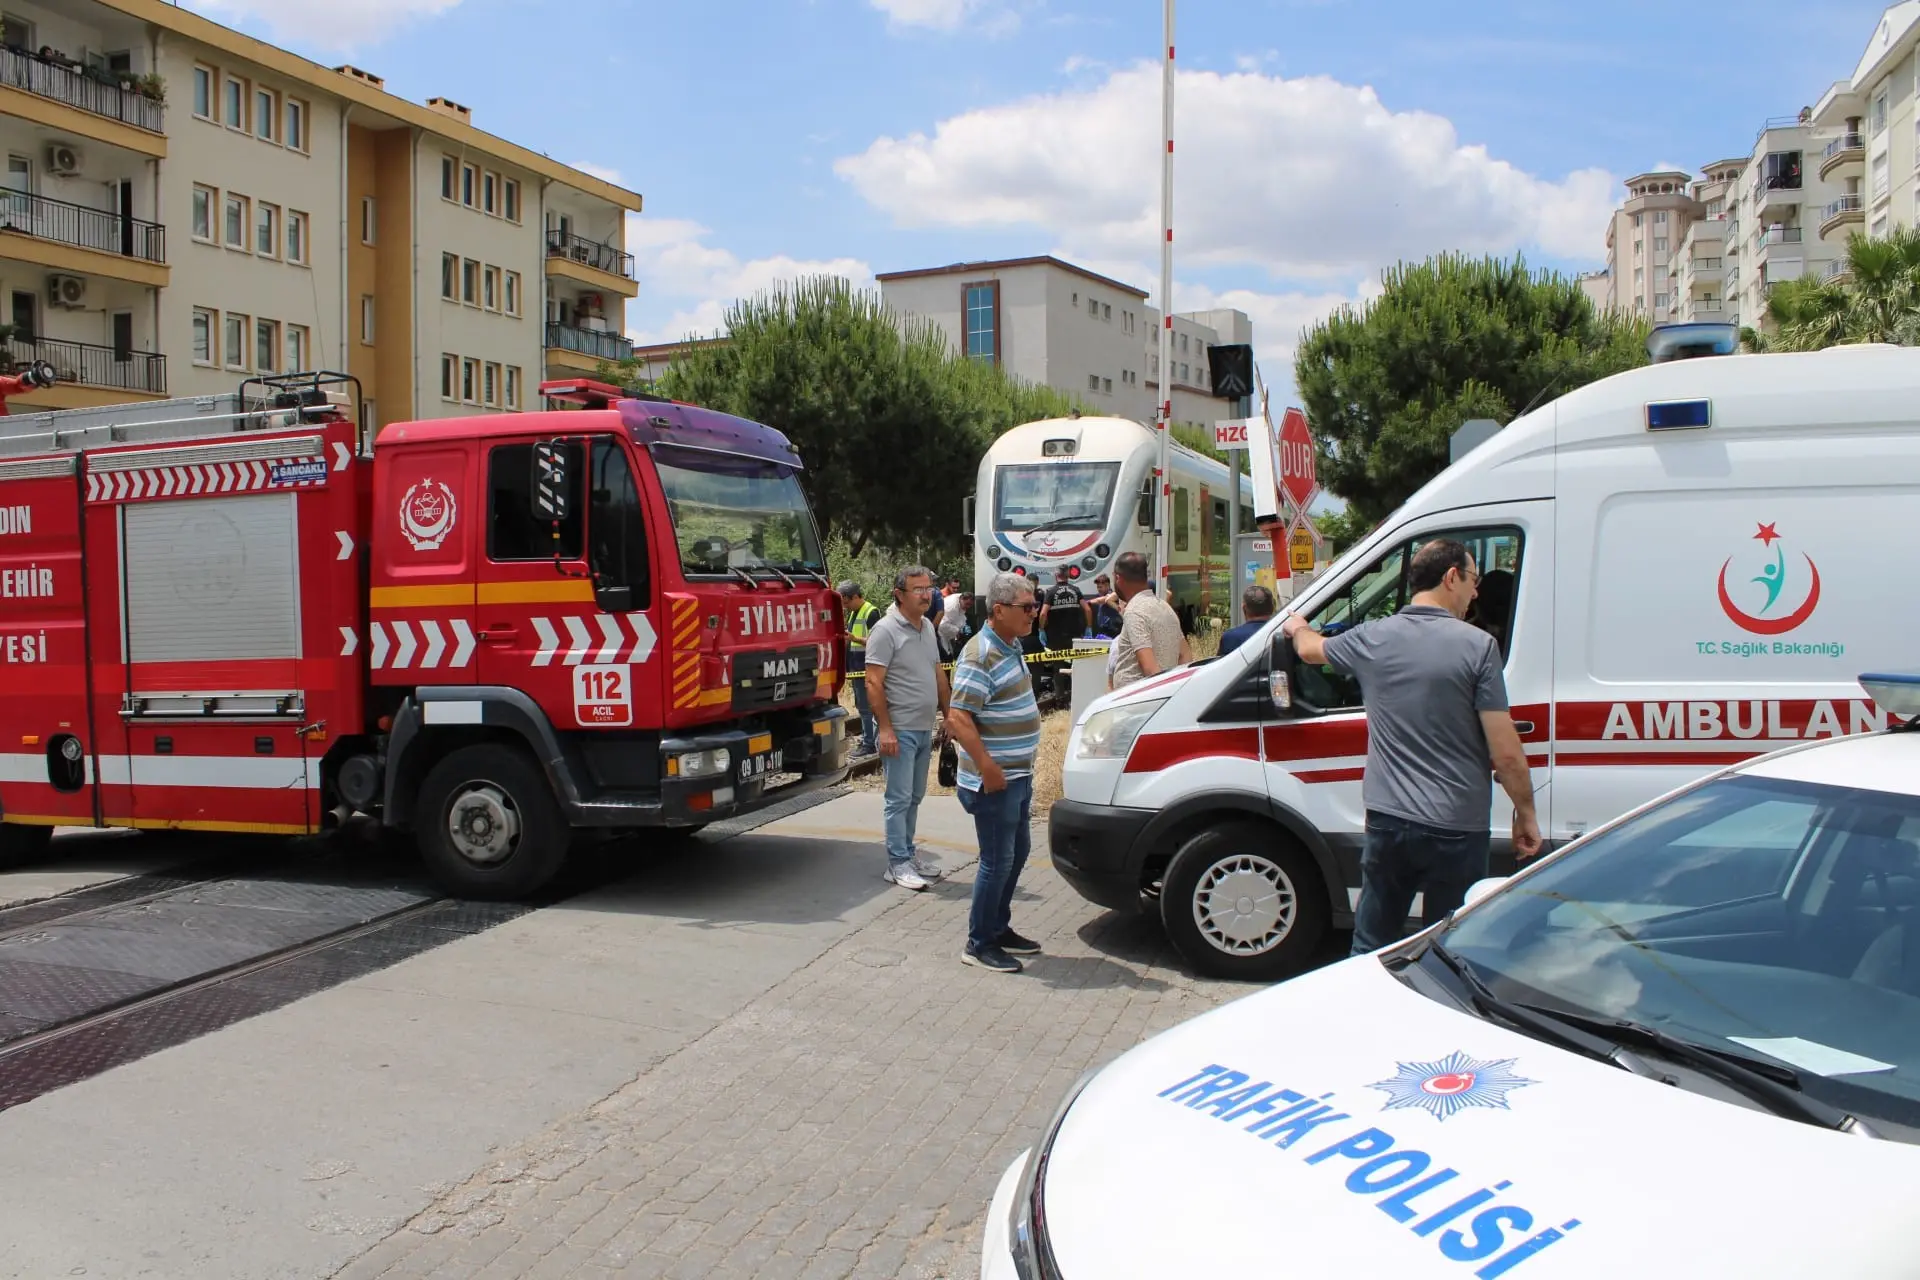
427 513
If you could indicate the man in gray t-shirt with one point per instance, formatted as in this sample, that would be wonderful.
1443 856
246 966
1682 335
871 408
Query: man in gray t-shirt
1438 729
908 692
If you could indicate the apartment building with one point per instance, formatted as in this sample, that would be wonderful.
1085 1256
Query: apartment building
1641 237
1871 157
1697 269
1061 325
1777 207
191 207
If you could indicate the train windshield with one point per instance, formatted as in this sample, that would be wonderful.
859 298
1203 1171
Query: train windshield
1060 495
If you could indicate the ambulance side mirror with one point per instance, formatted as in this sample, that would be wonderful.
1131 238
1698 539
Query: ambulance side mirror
1284 684
552 483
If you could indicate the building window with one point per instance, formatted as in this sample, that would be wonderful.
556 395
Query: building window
492 395
267 346
513 293
513 199
449 366
1659 244
1106 385
1659 217
297 344
366 318
1126 321
1878 118
981 303
236 103
369 220
449 169
1639 247
296 237
1093 308
1636 218
236 341
1660 302
490 193
1093 382
296 124
203 198
203 322
1106 312
513 386
236 222
450 276
492 298
469 176
266 113
470 282
203 92
1183 344
470 381
266 235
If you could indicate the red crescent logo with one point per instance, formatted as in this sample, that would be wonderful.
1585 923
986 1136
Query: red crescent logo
1770 626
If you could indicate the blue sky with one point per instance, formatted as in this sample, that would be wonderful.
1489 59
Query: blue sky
1319 139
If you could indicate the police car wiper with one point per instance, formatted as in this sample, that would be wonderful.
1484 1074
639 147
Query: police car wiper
1774 1086
1539 1023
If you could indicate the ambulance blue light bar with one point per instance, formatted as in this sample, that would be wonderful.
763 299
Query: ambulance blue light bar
1691 341
1679 415
1896 693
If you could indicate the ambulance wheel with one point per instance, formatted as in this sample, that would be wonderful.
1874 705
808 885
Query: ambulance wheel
21 845
1240 900
487 824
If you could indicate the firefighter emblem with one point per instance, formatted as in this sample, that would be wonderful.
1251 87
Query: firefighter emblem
427 513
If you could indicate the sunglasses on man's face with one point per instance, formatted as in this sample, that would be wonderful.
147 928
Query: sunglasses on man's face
1026 606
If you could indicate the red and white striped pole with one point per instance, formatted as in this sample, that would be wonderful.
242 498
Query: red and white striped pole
1163 545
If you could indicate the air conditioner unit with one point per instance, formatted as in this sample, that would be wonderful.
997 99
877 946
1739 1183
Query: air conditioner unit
63 160
69 292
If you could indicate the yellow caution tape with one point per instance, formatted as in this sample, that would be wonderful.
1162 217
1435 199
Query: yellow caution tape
1050 655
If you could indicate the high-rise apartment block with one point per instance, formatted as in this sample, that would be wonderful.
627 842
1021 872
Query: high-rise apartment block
187 206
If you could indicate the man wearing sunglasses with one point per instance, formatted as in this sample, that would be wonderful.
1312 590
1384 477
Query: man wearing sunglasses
995 720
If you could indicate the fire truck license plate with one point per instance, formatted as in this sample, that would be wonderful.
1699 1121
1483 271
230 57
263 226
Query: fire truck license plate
756 767
602 695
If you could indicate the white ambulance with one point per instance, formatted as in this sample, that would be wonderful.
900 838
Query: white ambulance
1684 564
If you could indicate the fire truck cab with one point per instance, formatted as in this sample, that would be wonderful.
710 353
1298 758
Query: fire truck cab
242 613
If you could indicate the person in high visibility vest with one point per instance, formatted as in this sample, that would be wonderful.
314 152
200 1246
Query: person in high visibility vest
860 617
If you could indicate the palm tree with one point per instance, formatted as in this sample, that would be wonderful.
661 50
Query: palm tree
1877 301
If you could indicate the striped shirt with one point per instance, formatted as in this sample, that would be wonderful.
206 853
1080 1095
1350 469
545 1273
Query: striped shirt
990 684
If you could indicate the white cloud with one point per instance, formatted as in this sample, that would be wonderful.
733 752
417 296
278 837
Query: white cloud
695 281
1308 179
337 25
941 15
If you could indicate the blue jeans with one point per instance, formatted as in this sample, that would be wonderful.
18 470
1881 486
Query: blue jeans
906 788
1002 820
868 727
1403 858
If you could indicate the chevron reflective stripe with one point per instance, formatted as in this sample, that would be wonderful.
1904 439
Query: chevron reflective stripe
549 641
623 637
274 474
439 644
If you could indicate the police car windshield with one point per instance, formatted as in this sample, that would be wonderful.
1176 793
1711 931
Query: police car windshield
733 513
1061 495
1756 916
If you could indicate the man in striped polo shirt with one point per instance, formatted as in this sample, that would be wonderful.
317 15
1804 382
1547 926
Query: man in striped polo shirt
995 721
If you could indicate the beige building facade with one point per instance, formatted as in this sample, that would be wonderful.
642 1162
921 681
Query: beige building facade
189 207
1641 238
1872 152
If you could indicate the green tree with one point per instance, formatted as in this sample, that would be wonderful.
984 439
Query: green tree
1452 338
1877 299
1342 528
890 422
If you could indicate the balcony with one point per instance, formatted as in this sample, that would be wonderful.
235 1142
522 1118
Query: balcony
69 237
582 350
1778 195
83 364
1836 271
126 116
591 263
1848 148
1778 235
1848 210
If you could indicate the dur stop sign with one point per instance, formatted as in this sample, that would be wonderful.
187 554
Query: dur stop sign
1296 459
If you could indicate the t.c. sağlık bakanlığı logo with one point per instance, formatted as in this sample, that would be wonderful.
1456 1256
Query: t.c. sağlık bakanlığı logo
427 514
1770 589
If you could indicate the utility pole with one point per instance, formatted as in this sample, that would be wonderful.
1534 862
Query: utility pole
1163 476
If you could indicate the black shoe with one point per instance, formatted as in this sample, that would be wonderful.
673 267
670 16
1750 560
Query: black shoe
1013 944
991 958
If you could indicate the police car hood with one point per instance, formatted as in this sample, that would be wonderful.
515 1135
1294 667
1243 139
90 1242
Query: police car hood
1344 1125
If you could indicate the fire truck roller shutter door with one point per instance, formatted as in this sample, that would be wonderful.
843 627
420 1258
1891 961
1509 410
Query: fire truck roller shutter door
211 579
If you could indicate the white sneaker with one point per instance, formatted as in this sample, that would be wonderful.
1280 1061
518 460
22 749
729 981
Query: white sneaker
926 870
905 876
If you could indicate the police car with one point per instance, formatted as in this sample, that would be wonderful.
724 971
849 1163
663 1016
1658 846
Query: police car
1687 1044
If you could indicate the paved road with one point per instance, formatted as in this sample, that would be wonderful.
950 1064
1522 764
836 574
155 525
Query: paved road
751 1059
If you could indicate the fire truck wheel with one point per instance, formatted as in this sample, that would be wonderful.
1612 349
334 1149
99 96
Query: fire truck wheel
487 823
1242 901
20 845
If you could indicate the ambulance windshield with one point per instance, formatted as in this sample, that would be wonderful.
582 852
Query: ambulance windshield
1753 916
734 514
1060 495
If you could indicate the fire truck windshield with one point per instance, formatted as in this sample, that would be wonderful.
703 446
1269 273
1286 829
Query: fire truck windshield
735 513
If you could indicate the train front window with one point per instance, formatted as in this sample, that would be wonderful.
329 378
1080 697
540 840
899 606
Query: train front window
1060 495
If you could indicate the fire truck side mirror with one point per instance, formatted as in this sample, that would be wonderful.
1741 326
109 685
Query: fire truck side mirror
552 485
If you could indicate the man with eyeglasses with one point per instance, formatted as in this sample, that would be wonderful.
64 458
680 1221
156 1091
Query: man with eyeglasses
1438 730
995 721
908 692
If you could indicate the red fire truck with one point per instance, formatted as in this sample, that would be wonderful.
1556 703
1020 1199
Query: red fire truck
241 613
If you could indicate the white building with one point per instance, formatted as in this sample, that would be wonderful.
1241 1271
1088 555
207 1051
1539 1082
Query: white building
1059 325
1871 150
1776 207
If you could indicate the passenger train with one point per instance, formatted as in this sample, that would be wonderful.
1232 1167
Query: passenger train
1059 500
